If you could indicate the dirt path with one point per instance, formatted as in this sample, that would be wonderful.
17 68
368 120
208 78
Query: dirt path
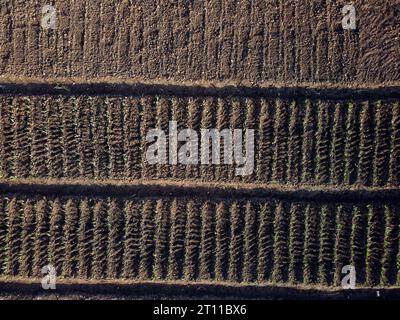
178 188
153 290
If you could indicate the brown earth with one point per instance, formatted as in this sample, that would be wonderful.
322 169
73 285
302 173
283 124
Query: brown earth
76 104
254 41
176 188
182 290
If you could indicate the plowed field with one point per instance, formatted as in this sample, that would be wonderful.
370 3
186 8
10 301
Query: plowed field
253 41
77 190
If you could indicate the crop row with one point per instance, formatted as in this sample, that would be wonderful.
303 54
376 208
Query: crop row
189 239
296 141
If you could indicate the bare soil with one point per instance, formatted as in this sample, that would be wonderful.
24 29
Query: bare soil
73 290
285 41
